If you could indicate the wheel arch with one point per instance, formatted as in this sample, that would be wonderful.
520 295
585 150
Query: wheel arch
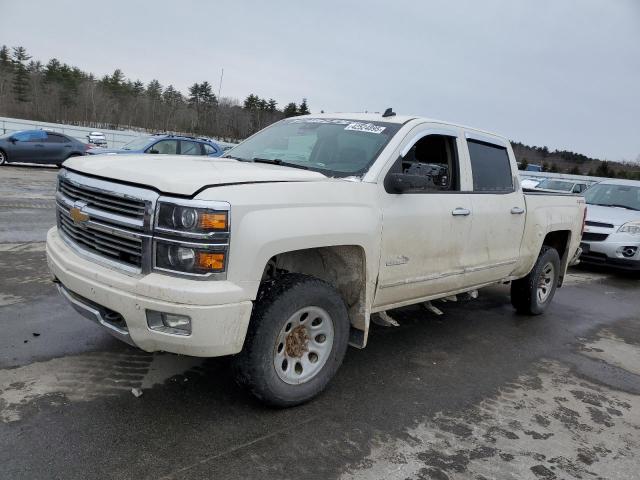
560 241
342 266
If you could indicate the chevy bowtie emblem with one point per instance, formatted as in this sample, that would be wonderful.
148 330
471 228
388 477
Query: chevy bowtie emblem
77 215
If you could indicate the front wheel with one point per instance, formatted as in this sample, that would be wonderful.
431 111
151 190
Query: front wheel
532 294
296 341
3 158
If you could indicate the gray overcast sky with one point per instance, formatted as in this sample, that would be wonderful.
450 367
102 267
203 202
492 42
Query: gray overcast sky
561 73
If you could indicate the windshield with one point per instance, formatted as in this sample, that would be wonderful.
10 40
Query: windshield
556 185
138 143
609 195
334 147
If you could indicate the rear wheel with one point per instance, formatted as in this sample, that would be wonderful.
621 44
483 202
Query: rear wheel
532 294
296 341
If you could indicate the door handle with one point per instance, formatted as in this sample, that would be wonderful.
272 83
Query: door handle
517 210
460 212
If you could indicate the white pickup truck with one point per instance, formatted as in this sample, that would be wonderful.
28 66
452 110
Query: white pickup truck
282 250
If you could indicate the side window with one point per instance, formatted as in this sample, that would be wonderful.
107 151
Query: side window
434 157
190 148
56 138
31 136
166 147
208 149
490 167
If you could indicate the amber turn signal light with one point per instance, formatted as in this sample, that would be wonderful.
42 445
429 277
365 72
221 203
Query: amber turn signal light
210 261
213 221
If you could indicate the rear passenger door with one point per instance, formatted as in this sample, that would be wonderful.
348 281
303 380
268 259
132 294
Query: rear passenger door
56 148
498 210
187 147
164 147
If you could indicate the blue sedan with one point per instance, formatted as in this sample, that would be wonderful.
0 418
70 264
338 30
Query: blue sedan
167 145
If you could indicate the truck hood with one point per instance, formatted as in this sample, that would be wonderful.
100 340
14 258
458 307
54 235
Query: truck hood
185 175
612 215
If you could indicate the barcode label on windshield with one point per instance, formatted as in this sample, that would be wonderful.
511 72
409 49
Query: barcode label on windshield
365 127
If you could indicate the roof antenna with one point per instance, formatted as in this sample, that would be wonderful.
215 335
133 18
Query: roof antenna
389 113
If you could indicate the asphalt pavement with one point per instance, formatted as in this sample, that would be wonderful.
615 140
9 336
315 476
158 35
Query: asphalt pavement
476 393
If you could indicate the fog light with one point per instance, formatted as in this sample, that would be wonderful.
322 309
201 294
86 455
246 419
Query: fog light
627 252
169 322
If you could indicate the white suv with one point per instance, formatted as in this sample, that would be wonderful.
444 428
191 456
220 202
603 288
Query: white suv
612 229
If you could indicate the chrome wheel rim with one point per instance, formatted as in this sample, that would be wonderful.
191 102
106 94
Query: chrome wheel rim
545 283
2 158
303 345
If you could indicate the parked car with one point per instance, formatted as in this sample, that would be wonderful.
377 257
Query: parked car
282 250
533 168
559 186
165 144
530 182
612 230
39 146
97 139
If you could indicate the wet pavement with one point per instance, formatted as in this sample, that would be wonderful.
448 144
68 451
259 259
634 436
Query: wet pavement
477 393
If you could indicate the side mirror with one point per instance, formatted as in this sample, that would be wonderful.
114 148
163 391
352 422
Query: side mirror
401 183
153 150
13 139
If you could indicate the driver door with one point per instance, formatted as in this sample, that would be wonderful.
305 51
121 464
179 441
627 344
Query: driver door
424 234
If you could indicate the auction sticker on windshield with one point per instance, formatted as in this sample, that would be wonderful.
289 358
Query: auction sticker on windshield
364 127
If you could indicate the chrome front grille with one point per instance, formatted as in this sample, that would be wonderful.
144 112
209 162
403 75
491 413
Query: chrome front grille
108 202
118 246
109 222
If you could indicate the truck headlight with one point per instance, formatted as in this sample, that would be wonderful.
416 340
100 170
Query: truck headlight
191 237
189 258
630 227
197 220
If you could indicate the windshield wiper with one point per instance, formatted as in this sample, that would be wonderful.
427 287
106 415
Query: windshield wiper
277 161
235 158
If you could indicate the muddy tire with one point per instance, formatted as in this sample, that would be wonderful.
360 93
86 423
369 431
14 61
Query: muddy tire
296 341
532 294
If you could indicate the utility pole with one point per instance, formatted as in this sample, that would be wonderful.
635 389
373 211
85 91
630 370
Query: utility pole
220 85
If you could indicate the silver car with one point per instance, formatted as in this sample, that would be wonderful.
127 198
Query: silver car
612 228
557 185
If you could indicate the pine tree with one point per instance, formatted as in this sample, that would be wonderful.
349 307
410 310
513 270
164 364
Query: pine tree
5 58
154 89
303 109
290 110
194 95
251 102
575 171
604 170
554 168
21 78
271 105
524 164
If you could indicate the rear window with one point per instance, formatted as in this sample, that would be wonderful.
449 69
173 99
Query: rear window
490 166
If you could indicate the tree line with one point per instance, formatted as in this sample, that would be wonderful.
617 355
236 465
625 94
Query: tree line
565 161
61 93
